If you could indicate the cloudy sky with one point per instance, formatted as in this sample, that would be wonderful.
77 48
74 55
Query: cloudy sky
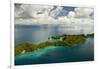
30 14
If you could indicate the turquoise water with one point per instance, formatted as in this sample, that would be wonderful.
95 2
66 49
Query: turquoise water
58 54
52 54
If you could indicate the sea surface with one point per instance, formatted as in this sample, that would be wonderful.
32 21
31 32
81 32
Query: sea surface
52 54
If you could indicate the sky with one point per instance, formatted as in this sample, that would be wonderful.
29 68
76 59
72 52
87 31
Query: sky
33 13
77 19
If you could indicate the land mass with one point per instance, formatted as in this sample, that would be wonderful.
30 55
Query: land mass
59 40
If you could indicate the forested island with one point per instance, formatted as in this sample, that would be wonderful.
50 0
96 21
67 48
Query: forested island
59 40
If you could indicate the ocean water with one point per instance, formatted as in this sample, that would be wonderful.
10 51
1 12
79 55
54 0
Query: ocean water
52 54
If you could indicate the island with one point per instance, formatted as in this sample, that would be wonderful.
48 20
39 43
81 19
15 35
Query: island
55 40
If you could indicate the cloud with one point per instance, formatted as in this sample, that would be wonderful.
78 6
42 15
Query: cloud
36 11
71 14
30 21
83 12
64 19
55 13
81 19
79 15
52 14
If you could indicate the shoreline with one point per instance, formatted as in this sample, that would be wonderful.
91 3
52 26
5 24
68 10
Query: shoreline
68 41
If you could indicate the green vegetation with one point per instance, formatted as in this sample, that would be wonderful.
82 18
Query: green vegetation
67 41
74 40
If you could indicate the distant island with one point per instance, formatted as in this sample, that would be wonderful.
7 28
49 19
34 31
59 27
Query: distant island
59 40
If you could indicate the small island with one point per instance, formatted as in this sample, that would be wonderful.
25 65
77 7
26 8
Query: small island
59 40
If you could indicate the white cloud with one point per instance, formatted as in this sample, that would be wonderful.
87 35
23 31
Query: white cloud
37 11
83 12
71 14
26 11
43 14
48 20
64 19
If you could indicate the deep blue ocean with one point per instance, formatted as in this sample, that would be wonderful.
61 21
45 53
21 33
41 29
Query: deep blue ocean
39 33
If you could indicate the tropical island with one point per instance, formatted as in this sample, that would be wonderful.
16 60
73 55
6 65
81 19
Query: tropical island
59 40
